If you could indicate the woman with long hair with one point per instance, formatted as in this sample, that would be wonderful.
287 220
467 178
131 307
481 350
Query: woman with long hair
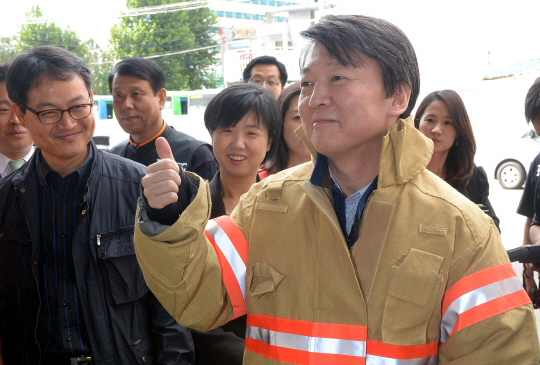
243 122
290 151
442 117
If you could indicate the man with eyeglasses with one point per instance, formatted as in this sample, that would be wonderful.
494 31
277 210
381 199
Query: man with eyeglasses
15 141
71 290
266 72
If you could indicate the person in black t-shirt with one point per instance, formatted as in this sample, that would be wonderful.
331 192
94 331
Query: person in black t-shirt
529 206
138 89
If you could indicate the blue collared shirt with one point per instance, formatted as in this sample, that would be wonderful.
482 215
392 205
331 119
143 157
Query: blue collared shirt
349 210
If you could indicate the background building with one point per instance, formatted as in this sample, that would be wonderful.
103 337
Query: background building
263 27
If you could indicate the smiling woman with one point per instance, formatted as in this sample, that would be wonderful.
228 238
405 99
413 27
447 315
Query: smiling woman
243 121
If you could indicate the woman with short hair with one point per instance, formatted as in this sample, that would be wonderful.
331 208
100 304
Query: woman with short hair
243 122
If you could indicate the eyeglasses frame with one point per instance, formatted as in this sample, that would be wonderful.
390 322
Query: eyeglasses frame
62 111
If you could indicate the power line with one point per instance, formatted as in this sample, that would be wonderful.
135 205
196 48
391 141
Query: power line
166 8
161 55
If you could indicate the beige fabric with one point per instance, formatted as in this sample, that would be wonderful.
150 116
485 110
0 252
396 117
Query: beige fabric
418 237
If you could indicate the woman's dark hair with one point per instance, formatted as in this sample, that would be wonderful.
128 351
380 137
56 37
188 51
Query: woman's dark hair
228 107
348 38
281 157
140 68
460 160
52 63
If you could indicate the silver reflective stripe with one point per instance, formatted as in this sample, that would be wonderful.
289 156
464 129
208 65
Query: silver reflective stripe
228 249
378 360
474 298
306 343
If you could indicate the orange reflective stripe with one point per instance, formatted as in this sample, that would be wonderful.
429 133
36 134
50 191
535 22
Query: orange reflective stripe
490 309
479 296
477 280
235 234
292 356
305 328
303 342
231 249
386 350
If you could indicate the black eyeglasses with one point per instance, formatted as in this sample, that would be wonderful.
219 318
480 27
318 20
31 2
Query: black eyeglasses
53 116
260 83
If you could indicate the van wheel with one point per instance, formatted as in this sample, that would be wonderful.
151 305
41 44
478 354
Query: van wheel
511 175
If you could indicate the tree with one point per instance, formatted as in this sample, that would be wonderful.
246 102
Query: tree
163 33
7 49
38 31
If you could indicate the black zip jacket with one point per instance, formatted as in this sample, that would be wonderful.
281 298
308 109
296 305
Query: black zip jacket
125 322
191 154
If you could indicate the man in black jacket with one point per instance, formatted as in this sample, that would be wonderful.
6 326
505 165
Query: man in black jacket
138 89
70 286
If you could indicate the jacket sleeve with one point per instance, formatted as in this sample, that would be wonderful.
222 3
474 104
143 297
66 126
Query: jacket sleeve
487 317
174 342
182 268
203 162
482 198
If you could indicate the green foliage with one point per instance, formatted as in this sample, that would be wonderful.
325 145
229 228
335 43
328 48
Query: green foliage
159 34
7 49
39 32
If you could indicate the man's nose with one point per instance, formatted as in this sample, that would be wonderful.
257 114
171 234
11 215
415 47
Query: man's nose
13 118
320 95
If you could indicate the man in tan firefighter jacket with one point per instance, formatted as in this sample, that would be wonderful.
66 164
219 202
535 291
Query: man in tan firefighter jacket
361 256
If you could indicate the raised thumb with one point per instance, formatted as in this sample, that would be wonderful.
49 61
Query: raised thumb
163 149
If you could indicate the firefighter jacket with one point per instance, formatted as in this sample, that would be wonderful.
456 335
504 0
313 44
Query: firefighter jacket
428 280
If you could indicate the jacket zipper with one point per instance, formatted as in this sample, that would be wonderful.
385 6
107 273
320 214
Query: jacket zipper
98 237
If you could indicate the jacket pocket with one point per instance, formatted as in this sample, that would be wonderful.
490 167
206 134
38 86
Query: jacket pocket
412 298
263 279
120 269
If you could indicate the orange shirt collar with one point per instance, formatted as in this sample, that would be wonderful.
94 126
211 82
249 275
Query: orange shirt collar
151 139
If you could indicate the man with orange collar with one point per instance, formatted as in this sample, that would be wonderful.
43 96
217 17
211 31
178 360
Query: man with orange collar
138 89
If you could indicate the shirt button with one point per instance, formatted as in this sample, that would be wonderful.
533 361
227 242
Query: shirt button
63 200
65 269
65 303
63 234
68 338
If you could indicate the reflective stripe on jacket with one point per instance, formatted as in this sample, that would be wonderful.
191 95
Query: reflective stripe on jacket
231 249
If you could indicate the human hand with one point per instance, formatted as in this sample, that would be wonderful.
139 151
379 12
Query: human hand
162 178
530 285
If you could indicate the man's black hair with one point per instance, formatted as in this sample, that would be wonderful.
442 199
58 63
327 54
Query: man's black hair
140 68
3 72
228 107
266 60
532 102
348 38
29 68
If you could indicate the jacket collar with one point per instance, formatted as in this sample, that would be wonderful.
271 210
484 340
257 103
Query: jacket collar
27 174
405 153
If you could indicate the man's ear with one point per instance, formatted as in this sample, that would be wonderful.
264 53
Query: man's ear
162 95
400 100
20 115
269 144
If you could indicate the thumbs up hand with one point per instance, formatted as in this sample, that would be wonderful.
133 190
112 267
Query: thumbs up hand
162 178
